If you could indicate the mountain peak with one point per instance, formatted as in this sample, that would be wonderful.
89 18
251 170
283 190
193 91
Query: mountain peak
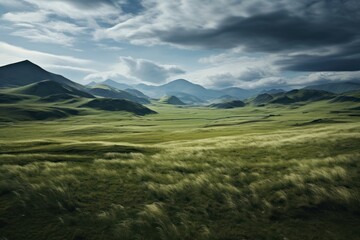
24 63
182 81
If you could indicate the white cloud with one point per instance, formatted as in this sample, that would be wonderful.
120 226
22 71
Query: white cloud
37 27
72 10
26 17
230 69
138 70
10 53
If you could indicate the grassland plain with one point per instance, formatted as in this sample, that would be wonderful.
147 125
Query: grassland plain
270 172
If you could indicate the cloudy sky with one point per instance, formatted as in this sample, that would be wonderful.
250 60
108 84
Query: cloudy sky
217 43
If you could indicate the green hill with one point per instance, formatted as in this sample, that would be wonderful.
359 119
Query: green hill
345 99
30 113
262 99
283 100
337 87
171 100
228 105
47 87
59 97
109 104
303 95
12 98
136 93
25 73
106 91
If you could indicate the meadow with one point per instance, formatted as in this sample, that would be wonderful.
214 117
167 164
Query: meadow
273 172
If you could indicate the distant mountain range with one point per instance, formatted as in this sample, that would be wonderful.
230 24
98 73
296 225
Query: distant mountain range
106 91
336 87
25 81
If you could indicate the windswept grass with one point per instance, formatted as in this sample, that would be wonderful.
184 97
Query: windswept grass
180 179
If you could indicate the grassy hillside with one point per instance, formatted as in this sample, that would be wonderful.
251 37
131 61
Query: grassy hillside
273 172
110 92
172 100
109 104
228 105
46 88
25 73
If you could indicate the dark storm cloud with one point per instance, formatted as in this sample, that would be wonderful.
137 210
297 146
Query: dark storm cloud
331 24
272 32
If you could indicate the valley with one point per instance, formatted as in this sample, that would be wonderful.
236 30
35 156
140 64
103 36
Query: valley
276 165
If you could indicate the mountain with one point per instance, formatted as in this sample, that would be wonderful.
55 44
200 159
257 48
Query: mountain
25 73
109 104
12 98
224 98
302 95
293 96
91 84
59 97
273 91
106 91
114 84
283 100
187 98
262 99
338 87
136 93
180 86
171 100
47 87
228 105
19 112
239 93
345 99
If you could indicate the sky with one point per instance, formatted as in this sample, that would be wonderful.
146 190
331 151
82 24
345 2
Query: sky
215 43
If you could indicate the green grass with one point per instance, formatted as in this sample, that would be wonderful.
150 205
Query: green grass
274 172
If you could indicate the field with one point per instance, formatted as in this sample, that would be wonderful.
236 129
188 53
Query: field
274 172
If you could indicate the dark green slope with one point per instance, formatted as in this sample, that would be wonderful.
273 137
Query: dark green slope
337 87
25 73
172 100
345 99
228 105
31 112
262 99
12 98
110 92
302 95
59 97
109 104
47 87
136 93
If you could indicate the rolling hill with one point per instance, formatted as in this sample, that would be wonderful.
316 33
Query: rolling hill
114 84
336 87
6 98
32 112
239 93
171 100
179 86
262 99
228 105
47 87
109 104
187 98
106 91
25 73
136 93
